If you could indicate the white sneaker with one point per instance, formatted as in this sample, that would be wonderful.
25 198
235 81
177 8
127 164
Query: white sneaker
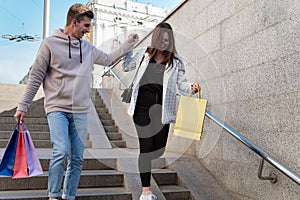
148 196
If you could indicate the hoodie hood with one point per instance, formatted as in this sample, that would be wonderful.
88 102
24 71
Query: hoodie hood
73 42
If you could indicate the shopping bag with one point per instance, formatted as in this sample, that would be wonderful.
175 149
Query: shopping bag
126 95
8 159
33 162
20 165
190 117
20 159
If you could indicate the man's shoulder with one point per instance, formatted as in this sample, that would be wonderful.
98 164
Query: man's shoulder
49 39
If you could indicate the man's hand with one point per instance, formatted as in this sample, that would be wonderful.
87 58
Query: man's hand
133 38
19 116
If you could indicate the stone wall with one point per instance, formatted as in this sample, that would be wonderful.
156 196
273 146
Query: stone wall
11 95
245 55
250 75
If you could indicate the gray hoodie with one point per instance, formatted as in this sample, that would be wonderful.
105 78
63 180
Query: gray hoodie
64 64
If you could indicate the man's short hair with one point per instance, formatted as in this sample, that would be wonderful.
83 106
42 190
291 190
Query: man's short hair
78 11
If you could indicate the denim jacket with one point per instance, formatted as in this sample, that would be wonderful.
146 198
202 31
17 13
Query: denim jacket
173 76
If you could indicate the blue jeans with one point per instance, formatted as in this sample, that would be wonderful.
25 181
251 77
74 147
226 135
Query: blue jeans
68 135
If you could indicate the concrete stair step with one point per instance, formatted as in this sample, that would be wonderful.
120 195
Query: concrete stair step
89 164
31 127
108 122
165 177
114 136
29 120
105 116
34 135
109 129
101 110
41 143
88 144
99 104
118 143
88 179
37 143
34 112
98 99
8 113
107 193
175 192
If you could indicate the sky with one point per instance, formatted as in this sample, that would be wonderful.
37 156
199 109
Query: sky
26 17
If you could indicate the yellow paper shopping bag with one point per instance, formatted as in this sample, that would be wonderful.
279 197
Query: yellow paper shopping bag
190 116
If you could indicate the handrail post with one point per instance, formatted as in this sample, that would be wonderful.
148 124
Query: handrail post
272 176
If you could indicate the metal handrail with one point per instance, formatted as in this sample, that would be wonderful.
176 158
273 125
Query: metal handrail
110 69
270 159
289 173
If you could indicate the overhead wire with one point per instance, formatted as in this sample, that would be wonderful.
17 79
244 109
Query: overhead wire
42 8
37 4
10 13
4 43
14 16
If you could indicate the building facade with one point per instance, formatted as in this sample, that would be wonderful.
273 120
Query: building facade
114 20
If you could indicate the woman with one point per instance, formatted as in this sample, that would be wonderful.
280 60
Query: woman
153 101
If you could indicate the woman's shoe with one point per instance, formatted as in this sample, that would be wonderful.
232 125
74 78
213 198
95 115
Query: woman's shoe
148 196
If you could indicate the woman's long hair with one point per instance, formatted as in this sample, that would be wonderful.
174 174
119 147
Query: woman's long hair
156 41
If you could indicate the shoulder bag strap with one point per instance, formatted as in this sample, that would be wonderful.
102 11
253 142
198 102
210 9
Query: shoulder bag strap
136 72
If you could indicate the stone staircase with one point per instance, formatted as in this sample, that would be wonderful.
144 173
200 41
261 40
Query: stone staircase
169 184
38 127
112 131
97 182
39 133
99 179
175 177
108 173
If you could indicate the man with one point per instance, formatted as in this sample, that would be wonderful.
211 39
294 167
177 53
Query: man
62 63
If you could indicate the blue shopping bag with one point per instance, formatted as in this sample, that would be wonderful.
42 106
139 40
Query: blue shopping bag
7 162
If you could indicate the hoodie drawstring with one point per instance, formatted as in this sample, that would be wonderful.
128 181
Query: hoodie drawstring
69 46
70 49
80 51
